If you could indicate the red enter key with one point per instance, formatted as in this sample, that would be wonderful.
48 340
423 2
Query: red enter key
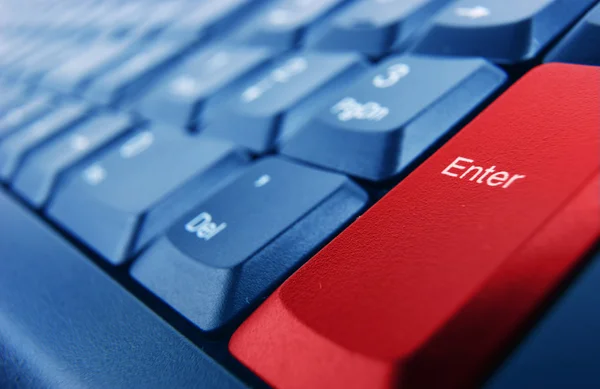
430 285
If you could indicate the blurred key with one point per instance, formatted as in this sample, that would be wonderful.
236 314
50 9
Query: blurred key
178 97
157 17
386 121
16 146
48 57
39 172
118 83
231 249
508 31
10 96
206 17
139 187
89 63
282 23
118 22
30 109
17 49
372 26
581 44
251 113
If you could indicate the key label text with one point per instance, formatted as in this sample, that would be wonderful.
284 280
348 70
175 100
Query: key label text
349 109
203 226
463 168
395 73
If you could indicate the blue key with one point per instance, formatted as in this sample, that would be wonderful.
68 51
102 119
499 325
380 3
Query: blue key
17 49
16 146
564 349
372 26
217 262
90 62
207 17
130 76
508 31
30 109
581 44
251 113
10 96
177 98
51 56
156 17
390 117
39 172
118 202
282 23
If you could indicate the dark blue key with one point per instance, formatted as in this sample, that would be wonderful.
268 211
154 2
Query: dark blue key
282 23
130 76
16 146
251 112
564 349
65 324
177 98
581 44
39 172
391 116
119 201
90 62
372 26
508 31
217 261
30 108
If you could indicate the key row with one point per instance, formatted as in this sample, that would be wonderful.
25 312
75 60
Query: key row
249 227
193 207
372 27
327 109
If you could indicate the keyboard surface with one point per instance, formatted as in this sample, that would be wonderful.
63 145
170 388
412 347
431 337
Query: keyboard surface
299 193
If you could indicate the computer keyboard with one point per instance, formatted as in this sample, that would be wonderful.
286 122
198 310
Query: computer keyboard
299 193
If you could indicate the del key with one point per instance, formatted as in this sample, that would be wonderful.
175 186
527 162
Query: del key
231 249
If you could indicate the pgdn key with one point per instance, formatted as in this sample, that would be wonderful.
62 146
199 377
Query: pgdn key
390 117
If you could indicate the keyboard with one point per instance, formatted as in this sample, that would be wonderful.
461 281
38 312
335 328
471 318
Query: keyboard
292 194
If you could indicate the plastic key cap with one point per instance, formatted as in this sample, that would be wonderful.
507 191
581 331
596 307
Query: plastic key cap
581 44
371 26
86 64
10 96
39 172
207 17
128 77
391 116
14 148
283 22
220 258
52 55
508 31
442 272
139 187
251 112
61 317
30 109
179 96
